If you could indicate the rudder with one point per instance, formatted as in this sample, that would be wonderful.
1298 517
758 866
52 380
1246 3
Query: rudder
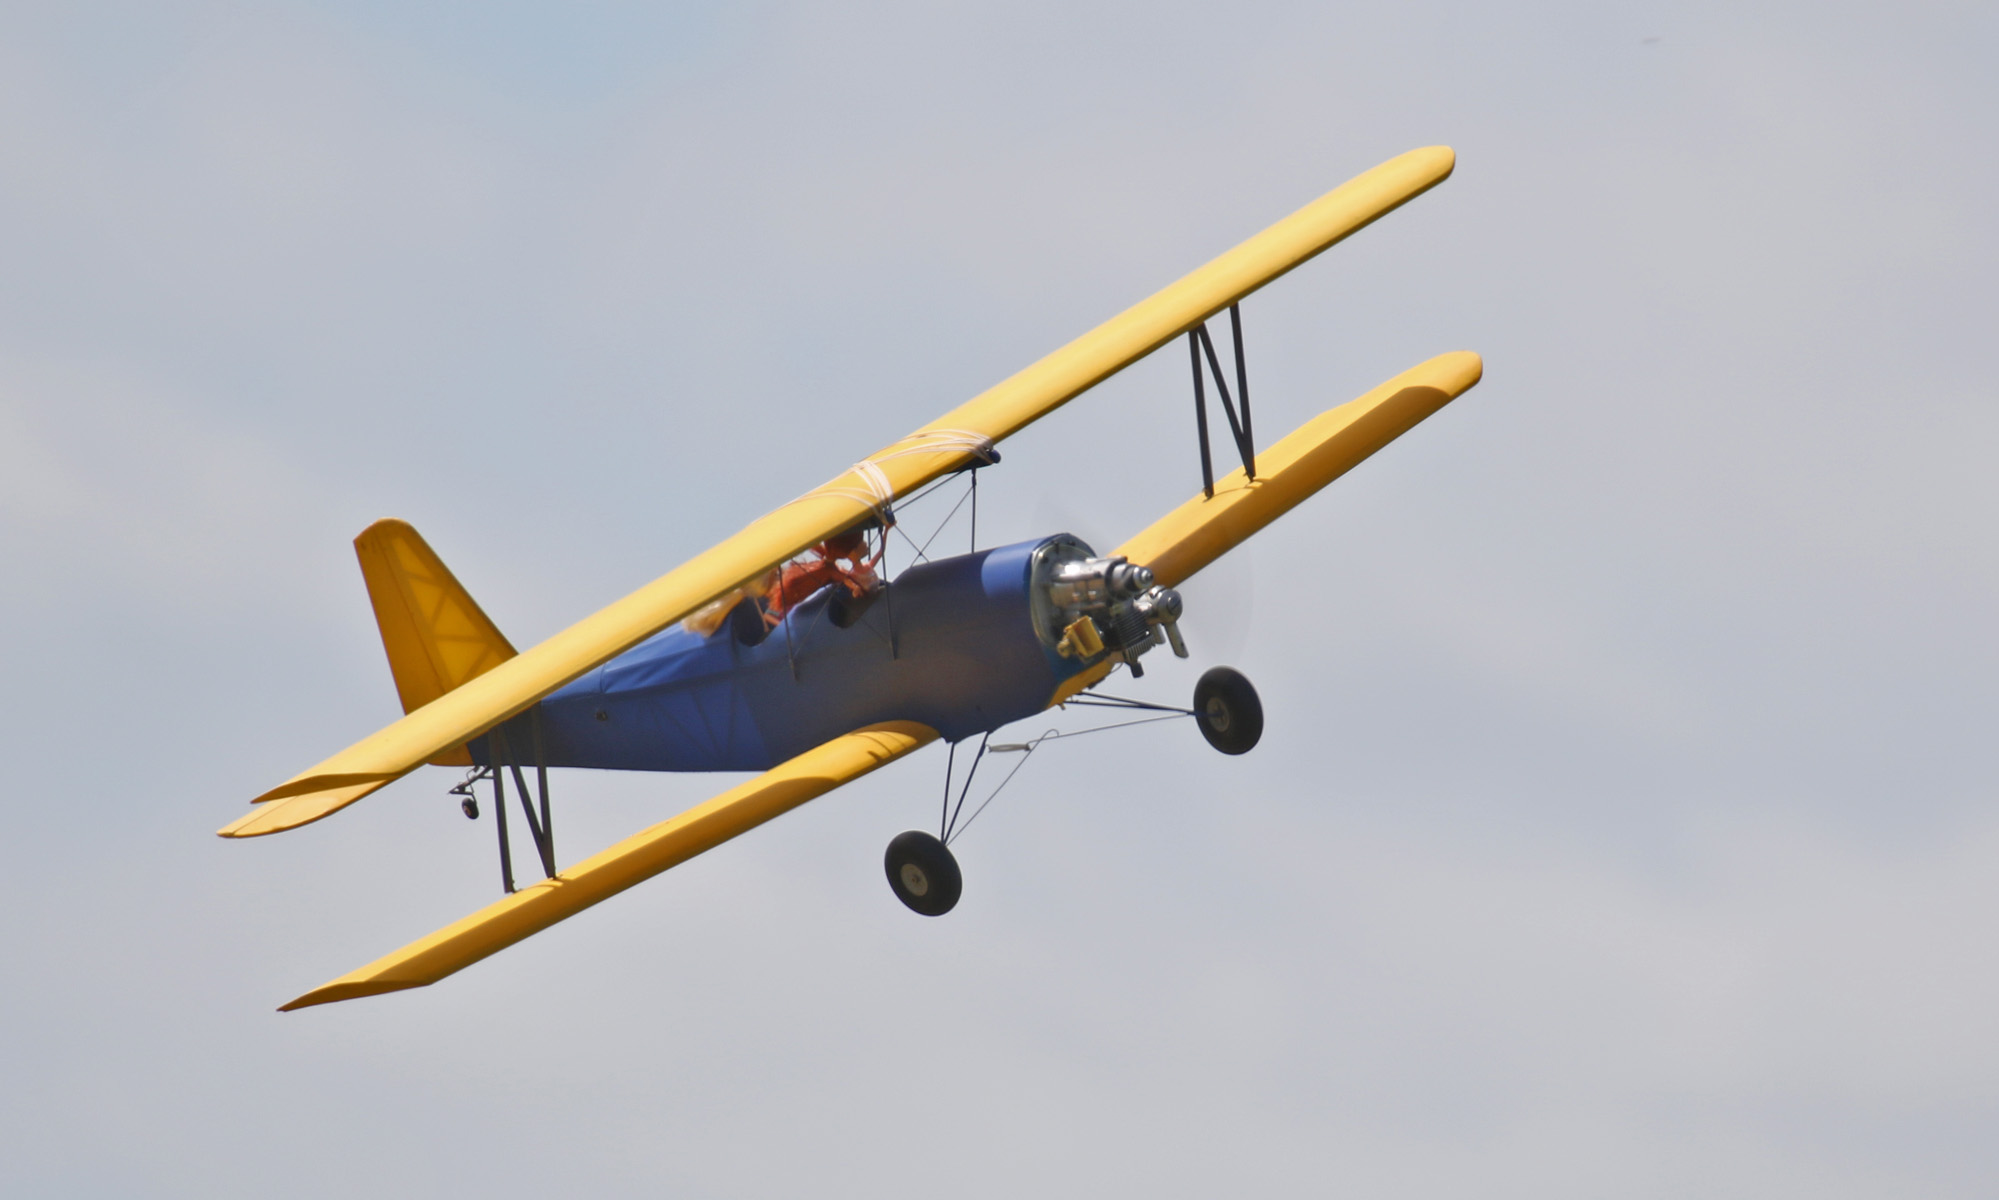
437 637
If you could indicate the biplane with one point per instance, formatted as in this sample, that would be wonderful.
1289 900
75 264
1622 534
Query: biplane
790 649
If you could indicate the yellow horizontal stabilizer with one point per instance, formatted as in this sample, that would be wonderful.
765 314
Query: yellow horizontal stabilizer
436 635
961 438
1318 452
634 860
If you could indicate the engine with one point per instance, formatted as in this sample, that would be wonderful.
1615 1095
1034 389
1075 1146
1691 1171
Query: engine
1086 607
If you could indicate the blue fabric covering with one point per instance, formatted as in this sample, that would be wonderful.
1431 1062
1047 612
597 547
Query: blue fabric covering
966 661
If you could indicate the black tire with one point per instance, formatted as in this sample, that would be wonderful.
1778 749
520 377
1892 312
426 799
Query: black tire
1227 710
923 874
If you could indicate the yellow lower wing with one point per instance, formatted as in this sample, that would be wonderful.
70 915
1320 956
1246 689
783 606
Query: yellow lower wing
1318 452
634 860
961 438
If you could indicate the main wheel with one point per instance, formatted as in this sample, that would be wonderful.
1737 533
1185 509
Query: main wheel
923 874
1226 708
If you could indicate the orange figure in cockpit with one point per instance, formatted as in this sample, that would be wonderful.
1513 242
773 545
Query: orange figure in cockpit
838 559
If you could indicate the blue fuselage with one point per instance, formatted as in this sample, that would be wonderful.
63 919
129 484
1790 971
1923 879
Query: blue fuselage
951 644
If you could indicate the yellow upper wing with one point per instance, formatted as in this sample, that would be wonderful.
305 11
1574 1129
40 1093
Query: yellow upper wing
947 444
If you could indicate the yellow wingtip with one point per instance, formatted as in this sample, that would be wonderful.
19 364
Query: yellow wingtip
340 990
290 812
1186 540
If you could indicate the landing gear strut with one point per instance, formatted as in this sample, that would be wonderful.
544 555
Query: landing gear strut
1227 710
923 873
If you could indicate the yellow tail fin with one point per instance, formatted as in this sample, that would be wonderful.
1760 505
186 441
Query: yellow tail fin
437 636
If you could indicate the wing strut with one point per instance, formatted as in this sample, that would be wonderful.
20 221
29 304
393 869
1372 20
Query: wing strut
1297 465
1200 345
500 761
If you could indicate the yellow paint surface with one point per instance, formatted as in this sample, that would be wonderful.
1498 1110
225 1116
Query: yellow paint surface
1318 452
436 635
950 443
632 861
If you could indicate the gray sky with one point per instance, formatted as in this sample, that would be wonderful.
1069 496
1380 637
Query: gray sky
1624 822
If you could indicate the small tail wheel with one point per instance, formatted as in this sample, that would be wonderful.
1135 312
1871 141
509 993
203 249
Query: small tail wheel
923 873
1227 710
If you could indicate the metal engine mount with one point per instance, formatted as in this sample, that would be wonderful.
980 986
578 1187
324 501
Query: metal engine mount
1086 606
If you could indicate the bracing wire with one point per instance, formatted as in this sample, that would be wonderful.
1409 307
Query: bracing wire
954 831
1121 702
969 492
1030 748
922 551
